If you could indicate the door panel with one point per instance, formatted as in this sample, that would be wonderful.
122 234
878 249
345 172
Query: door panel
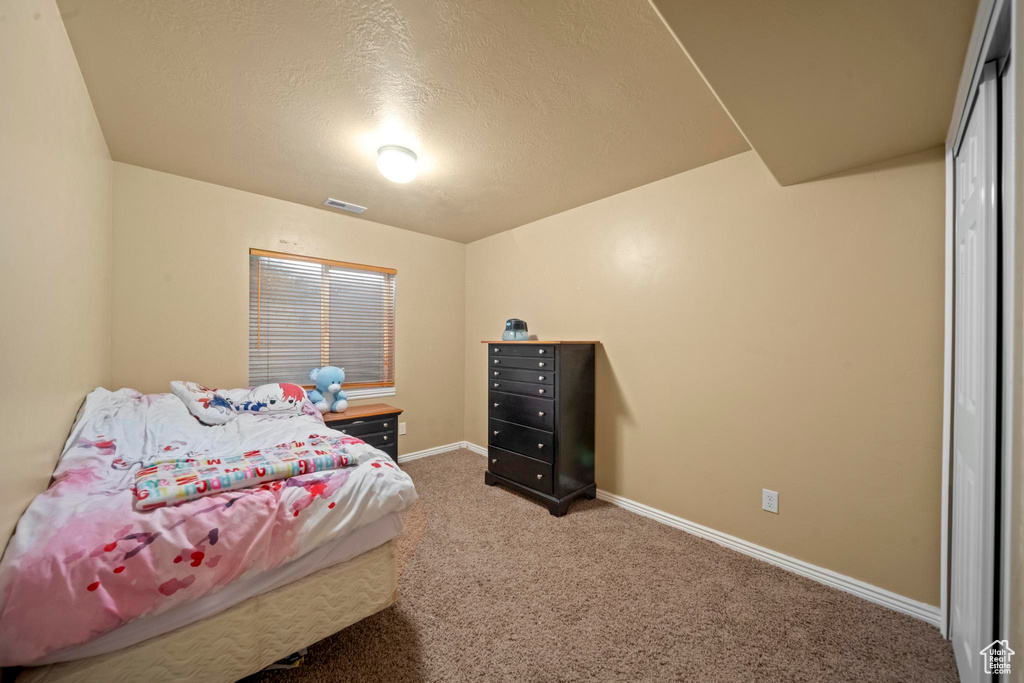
976 385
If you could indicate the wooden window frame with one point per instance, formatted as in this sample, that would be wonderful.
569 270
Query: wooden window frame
325 343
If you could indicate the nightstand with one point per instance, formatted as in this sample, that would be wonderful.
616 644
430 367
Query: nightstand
376 424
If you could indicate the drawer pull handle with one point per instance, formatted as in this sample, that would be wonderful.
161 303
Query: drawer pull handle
540 446
541 378
541 391
497 349
496 405
540 414
343 431
496 385
540 476
494 460
495 432
385 437
385 424
539 365
496 361
541 352
495 373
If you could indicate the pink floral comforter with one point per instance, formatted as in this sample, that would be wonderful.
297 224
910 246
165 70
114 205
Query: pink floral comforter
83 561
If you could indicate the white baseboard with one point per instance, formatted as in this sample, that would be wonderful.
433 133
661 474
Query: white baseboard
430 451
879 596
442 449
479 450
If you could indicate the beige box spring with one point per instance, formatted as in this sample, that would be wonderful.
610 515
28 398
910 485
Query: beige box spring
251 635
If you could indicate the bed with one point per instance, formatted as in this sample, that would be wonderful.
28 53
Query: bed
93 589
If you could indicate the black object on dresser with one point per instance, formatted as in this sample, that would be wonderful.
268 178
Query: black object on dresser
540 426
376 424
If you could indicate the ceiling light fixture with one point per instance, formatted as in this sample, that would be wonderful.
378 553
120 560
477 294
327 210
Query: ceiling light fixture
397 164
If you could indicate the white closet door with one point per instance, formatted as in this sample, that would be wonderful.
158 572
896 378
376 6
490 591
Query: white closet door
975 384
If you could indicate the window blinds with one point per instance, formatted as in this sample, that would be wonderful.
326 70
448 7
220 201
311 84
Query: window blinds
305 313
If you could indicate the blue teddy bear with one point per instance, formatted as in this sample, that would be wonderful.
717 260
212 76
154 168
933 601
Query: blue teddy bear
328 395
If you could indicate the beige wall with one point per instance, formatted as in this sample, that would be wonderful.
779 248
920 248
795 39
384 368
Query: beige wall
181 291
754 336
55 188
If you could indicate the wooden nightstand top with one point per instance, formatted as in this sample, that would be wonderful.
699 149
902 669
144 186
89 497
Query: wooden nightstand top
369 410
538 342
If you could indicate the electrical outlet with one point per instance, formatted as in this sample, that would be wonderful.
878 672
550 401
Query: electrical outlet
770 501
401 428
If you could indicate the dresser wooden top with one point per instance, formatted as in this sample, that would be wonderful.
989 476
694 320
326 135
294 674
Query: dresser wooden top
355 412
540 341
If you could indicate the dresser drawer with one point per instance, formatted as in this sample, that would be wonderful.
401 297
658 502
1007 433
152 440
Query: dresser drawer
521 388
524 410
539 376
521 469
380 439
546 364
528 350
368 426
519 439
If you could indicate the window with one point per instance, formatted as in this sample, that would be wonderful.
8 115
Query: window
308 312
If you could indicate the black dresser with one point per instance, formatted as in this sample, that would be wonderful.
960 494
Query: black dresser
540 426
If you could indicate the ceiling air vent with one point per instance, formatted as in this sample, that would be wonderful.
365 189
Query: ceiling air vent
344 206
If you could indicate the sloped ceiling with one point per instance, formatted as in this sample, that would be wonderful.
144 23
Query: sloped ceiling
518 109
819 87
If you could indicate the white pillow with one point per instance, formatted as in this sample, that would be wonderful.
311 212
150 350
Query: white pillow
281 398
205 404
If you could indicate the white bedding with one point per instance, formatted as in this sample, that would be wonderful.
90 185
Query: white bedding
84 562
362 540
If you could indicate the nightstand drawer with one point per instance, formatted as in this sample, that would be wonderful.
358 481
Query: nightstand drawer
381 439
535 443
547 364
391 450
536 376
529 350
526 471
521 388
368 426
524 410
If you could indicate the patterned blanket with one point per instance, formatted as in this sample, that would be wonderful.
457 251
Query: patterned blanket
170 481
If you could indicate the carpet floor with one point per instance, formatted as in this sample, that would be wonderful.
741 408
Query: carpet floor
493 588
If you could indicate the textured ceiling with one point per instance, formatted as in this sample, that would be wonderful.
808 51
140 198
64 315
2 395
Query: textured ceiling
518 109
821 87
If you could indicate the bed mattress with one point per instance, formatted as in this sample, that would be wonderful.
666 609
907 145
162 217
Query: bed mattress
367 538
